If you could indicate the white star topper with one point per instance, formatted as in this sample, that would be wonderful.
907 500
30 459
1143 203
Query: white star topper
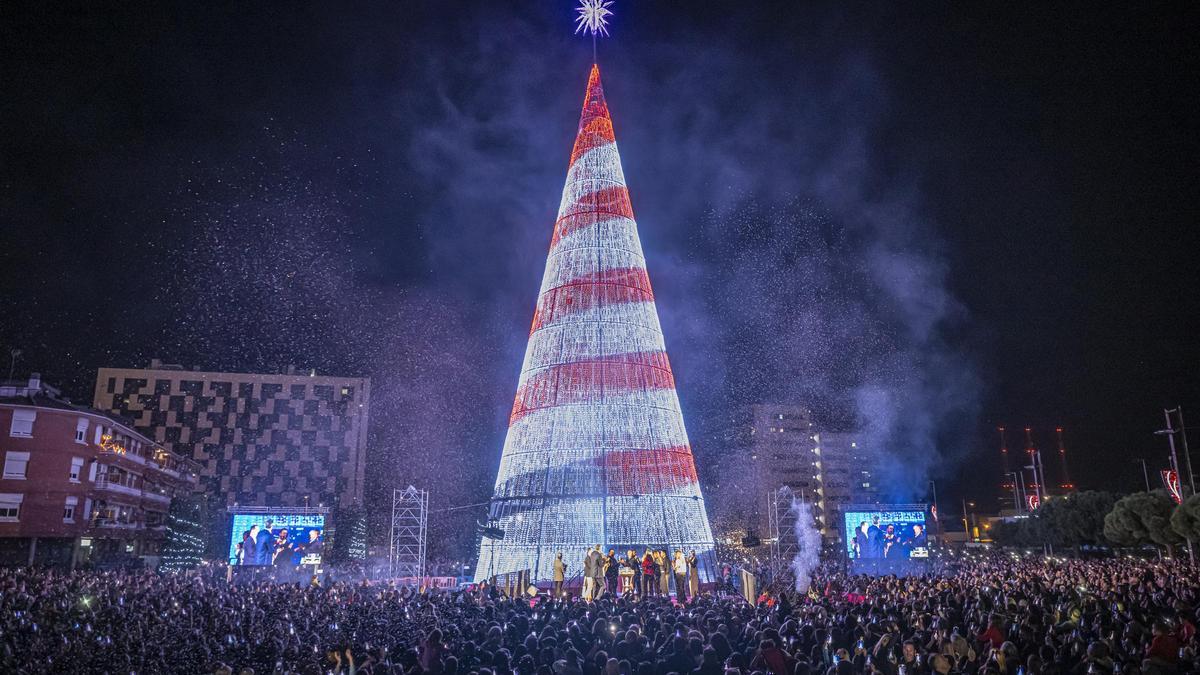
593 17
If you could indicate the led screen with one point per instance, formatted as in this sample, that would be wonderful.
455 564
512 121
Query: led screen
284 540
886 534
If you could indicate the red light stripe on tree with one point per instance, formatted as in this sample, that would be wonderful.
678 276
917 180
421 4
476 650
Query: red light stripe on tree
619 285
648 471
592 380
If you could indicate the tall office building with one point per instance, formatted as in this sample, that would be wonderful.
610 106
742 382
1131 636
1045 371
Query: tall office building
769 446
596 451
260 440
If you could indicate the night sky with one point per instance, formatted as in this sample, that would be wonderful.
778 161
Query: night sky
923 220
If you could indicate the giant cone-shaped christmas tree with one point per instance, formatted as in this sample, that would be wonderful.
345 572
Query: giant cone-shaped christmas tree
596 451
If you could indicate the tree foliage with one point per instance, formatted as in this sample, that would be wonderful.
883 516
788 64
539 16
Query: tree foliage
1077 519
1142 518
1071 521
1185 520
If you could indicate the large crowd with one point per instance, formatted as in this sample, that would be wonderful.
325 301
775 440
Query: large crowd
995 616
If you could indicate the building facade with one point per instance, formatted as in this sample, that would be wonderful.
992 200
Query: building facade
80 485
259 440
850 474
769 446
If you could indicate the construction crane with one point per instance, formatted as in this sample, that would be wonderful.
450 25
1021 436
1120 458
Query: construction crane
1065 478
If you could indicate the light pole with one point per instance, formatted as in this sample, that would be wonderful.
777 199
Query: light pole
1018 499
1145 473
937 516
1170 432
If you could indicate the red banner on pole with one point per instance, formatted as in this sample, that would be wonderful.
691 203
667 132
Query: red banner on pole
1171 480
1033 501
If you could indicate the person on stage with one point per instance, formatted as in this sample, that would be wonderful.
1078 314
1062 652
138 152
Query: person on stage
247 551
560 573
693 575
874 539
597 573
680 567
282 556
649 574
664 574
917 540
891 542
264 543
633 563
612 572
588 579
862 539
314 545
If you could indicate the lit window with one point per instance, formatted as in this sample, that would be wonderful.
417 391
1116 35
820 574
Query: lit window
22 423
69 509
76 468
16 464
10 506
81 430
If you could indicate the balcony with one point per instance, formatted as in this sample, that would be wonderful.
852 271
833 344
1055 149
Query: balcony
105 484
156 497
116 524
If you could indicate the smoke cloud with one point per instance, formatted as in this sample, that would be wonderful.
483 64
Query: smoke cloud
808 541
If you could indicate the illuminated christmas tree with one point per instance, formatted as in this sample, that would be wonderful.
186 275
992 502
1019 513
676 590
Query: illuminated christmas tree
596 451
184 543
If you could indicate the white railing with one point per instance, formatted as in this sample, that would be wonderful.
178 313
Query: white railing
104 484
157 496
113 524
170 472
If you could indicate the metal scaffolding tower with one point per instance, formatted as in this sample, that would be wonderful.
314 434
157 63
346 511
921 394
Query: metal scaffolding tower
410 515
781 521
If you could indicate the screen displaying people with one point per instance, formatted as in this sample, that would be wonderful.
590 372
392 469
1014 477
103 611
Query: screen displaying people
281 540
887 535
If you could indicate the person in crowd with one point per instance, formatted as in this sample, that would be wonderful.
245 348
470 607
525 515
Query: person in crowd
994 615
664 574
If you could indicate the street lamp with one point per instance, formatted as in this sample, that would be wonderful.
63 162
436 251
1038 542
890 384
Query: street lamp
1170 432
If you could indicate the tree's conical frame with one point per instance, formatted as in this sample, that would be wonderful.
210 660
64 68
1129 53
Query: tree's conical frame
596 451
